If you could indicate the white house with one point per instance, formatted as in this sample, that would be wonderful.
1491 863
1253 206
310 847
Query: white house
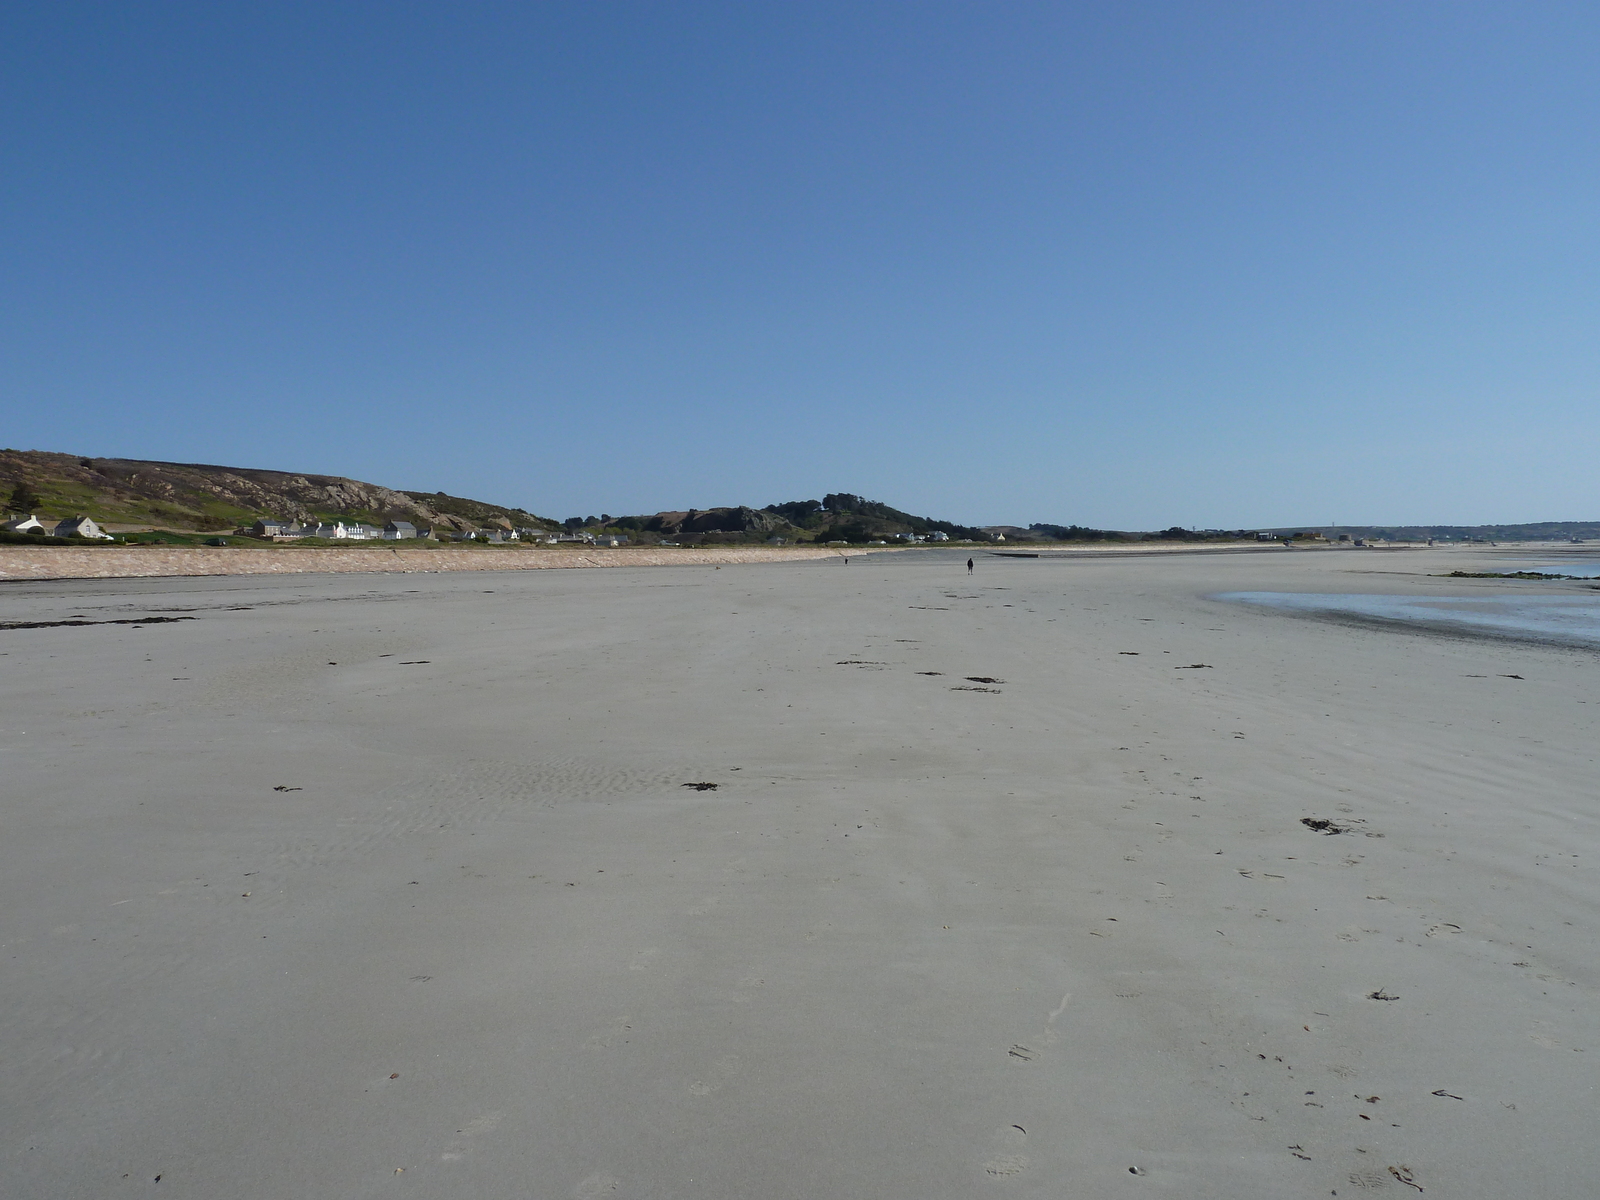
82 526
24 524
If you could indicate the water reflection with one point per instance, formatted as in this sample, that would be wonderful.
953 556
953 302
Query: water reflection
1570 619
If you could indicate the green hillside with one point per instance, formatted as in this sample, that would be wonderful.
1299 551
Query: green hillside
193 496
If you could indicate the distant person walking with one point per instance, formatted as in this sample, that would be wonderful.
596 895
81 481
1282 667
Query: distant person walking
969 566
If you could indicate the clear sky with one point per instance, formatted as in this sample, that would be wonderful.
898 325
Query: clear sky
1121 264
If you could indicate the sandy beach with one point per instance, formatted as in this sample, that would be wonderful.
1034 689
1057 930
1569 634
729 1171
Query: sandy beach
797 879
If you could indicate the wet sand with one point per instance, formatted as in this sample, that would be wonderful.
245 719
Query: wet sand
391 885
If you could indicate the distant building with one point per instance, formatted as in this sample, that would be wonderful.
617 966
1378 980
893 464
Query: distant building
268 528
612 539
396 531
938 535
24 524
81 527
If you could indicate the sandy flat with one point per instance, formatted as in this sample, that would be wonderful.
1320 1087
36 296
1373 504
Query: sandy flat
390 885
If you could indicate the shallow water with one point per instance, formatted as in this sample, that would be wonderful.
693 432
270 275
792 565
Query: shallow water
1570 619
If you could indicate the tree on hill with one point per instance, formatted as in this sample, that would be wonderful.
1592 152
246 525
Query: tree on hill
1073 533
23 499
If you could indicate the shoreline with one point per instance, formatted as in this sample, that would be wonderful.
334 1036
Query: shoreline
153 561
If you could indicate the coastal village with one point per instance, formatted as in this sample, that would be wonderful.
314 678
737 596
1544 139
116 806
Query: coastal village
399 531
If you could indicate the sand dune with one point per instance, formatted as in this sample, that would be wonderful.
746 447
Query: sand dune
406 885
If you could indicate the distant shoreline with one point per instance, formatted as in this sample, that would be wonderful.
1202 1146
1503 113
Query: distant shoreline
19 562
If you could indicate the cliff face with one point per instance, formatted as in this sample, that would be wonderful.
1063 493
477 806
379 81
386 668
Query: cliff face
197 496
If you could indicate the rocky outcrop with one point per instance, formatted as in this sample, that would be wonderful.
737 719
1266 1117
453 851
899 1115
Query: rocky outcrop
718 520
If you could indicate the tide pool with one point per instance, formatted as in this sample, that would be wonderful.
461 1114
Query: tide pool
1574 620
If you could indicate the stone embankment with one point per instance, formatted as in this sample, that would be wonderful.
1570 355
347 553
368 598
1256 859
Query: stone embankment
110 562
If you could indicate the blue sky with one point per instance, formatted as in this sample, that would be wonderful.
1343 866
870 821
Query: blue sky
1120 264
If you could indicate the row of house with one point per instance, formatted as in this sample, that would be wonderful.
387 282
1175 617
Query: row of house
342 530
397 531
578 538
71 527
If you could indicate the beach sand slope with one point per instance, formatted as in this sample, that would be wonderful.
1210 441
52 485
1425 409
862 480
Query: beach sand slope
419 885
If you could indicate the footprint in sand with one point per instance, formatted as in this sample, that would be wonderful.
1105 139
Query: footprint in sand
475 1128
619 1031
1004 1165
724 1069
598 1184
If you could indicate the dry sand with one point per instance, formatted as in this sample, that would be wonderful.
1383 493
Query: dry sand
1065 936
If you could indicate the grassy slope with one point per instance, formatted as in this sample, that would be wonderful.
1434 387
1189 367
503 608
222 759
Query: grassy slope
198 497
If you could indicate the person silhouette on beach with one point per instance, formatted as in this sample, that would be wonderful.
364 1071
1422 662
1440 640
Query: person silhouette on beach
969 566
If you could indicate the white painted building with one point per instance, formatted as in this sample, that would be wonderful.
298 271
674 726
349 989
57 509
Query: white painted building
82 527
